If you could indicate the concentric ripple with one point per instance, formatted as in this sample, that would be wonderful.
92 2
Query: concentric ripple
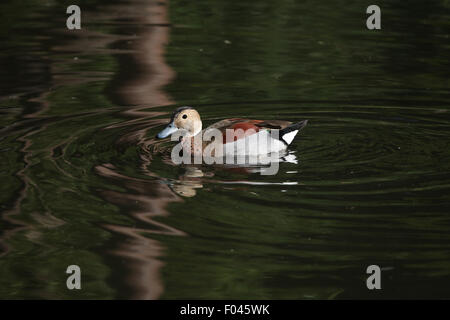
363 185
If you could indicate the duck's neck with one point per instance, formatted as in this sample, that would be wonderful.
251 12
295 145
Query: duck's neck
193 143
197 128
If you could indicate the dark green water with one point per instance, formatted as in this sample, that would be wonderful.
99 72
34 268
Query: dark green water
84 182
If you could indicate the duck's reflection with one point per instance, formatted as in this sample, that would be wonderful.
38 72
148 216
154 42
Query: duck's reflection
195 176
189 182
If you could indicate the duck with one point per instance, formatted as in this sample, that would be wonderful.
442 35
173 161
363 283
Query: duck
269 135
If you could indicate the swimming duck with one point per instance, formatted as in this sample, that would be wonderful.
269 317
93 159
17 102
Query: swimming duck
186 121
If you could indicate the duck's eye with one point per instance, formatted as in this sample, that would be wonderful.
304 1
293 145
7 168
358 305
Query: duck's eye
184 116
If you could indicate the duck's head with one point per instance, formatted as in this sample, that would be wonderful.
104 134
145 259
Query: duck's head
186 119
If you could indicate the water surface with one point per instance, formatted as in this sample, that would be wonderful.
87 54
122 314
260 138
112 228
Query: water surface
83 181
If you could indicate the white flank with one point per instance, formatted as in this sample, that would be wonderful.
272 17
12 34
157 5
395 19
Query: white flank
255 144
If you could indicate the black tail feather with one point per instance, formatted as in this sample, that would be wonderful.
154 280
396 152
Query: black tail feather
295 126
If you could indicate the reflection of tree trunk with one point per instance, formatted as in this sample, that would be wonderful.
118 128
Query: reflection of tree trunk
142 84
147 72
139 82
141 251
137 85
